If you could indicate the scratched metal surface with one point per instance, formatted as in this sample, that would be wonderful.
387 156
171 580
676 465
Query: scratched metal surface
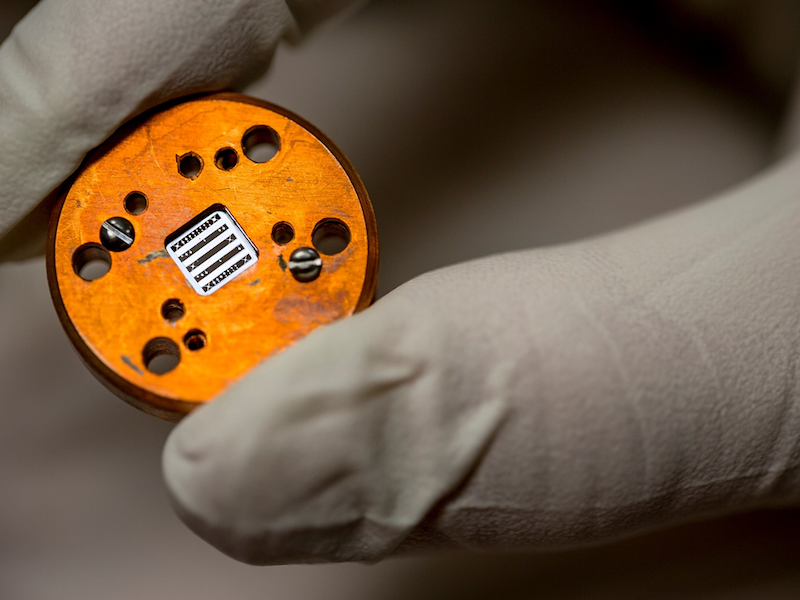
598 139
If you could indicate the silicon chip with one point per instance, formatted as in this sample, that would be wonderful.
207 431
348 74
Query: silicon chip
211 251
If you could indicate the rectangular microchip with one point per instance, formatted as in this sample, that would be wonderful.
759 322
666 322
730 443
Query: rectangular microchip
212 251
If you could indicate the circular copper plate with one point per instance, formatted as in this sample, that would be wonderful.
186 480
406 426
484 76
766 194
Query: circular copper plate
261 308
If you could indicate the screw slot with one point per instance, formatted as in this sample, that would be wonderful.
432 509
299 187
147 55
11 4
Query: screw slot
331 236
190 165
282 233
161 355
260 143
91 262
135 203
226 159
195 340
173 310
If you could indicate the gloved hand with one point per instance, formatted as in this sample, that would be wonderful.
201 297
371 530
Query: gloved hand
530 400
72 71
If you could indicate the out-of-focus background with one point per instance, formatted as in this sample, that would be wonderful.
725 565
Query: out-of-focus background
478 126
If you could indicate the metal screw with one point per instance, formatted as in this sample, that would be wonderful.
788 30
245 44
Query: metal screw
305 264
117 234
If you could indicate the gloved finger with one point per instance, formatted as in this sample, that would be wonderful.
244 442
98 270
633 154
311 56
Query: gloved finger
530 400
321 441
28 238
73 70
790 134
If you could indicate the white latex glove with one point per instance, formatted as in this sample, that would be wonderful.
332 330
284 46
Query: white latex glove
73 70
530 400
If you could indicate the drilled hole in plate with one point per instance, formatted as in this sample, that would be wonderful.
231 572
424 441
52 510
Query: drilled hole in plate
91 262
190 165
330 236
135 203
282 233
260 143
161 355
195 340
226 159
173 310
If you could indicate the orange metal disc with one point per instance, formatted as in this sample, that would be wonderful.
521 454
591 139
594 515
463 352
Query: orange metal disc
200 237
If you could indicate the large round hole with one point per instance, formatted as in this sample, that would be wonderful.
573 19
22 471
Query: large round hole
91 261
135 203
190 165
161 355
226 159
173 310
195 340
282 233
330 236
260 144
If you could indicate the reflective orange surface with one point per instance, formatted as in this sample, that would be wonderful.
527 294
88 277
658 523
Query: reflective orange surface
257 313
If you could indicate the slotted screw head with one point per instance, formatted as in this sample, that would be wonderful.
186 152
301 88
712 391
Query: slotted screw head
117 234
305 264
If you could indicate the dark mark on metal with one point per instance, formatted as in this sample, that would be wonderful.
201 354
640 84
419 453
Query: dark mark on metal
281 263
153 255
256 282
127 360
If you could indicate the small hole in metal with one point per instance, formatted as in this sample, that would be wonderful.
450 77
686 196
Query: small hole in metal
260 143
195 340
226 159
173 310
161 355
91 262
135 203
282 233
331 236
190 165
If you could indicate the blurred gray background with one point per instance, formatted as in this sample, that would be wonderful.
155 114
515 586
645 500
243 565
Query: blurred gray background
478 127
